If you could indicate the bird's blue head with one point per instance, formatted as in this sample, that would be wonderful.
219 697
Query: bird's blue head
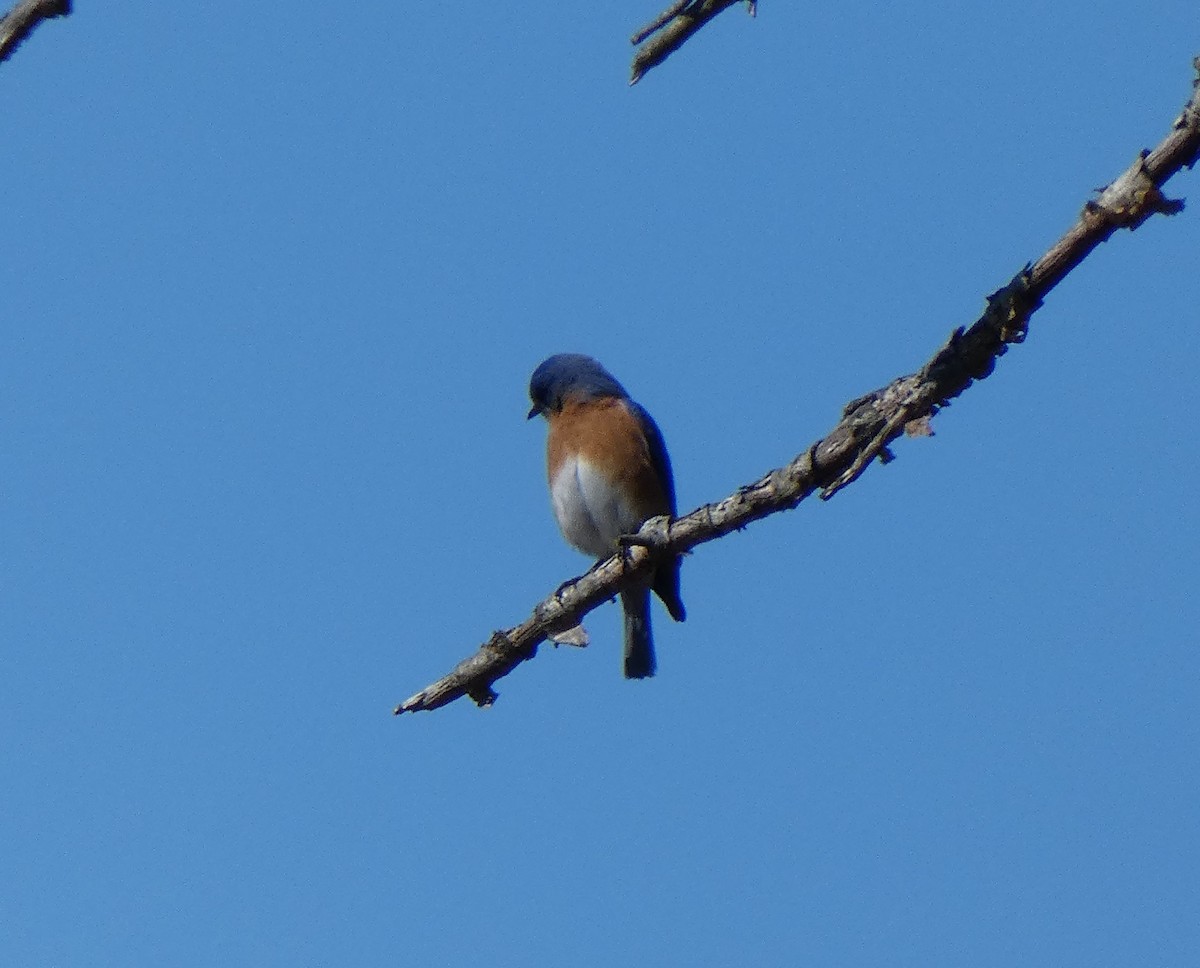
569 375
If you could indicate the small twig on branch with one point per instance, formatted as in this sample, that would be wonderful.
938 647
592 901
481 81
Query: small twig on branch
867 426
660 21
19 22
674 26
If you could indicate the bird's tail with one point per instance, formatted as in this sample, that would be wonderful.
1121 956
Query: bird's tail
639 640
666 587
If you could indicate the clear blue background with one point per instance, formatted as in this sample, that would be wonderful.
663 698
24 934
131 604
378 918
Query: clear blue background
273 281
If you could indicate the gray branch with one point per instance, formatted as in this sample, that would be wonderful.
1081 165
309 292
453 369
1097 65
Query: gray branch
19 22
867 426
670 30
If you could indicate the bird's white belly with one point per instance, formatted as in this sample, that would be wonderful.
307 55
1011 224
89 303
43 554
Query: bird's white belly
591 513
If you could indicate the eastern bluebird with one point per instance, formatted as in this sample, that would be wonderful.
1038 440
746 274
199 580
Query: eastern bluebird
609 472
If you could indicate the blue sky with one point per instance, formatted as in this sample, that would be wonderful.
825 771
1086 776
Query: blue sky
273 289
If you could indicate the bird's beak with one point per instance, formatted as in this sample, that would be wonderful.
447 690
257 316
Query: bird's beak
533 412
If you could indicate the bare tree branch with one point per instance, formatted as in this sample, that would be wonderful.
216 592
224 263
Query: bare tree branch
868 424
19 22
673 27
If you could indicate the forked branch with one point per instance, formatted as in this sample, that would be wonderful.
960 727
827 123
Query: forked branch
667 32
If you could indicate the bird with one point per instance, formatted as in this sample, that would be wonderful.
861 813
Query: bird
609 472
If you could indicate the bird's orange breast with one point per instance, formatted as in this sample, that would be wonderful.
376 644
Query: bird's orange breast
607 435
